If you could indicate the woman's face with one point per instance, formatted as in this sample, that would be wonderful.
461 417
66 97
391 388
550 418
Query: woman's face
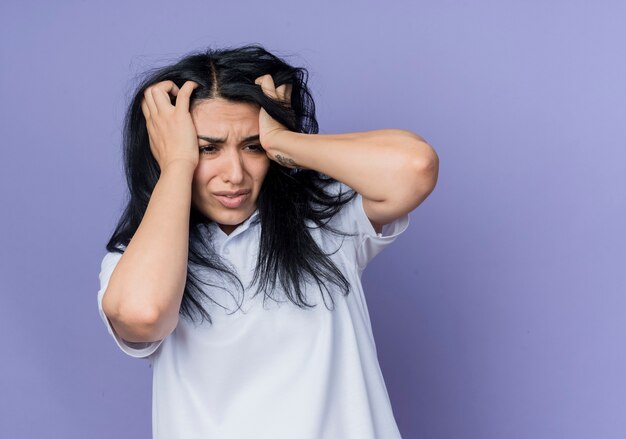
232 165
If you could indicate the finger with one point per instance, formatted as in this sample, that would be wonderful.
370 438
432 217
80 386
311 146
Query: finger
288 90
182 100
163 93
280 92
159 96
284 93
267 84
161 99
149 100
145 110
168 87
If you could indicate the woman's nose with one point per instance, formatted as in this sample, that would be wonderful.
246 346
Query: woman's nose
233 167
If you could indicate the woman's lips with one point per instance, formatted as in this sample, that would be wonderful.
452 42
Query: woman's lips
232 202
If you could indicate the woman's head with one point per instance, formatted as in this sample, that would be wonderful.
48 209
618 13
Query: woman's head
226 104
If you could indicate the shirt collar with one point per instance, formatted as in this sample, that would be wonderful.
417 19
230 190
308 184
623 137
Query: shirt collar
253 219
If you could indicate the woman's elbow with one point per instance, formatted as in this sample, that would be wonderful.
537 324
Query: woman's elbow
429 170
423 167
137 323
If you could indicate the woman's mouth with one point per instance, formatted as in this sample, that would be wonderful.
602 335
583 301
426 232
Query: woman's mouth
232 200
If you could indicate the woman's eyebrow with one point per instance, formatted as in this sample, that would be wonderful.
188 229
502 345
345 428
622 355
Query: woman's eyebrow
222 140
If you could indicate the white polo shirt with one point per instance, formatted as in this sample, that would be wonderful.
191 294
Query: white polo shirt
274 371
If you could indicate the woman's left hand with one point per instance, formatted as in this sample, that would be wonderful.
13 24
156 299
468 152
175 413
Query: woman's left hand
269 128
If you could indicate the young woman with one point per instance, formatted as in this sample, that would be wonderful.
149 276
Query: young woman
235 267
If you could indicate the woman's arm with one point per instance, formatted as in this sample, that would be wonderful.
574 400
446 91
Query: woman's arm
145 291
393 170
142 300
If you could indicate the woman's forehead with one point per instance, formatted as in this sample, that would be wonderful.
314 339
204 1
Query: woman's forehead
220 106
219 117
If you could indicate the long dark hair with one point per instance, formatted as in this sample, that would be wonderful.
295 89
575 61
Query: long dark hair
289 198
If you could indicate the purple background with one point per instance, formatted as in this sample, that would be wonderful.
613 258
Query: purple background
498 314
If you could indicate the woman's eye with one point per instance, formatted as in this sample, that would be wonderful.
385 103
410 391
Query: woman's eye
207 149
255 148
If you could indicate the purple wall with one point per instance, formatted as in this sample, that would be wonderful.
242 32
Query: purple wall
500 312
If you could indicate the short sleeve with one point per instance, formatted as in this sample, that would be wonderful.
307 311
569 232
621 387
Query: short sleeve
136 350
367 243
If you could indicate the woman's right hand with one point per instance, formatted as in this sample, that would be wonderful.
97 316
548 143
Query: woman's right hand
172 134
